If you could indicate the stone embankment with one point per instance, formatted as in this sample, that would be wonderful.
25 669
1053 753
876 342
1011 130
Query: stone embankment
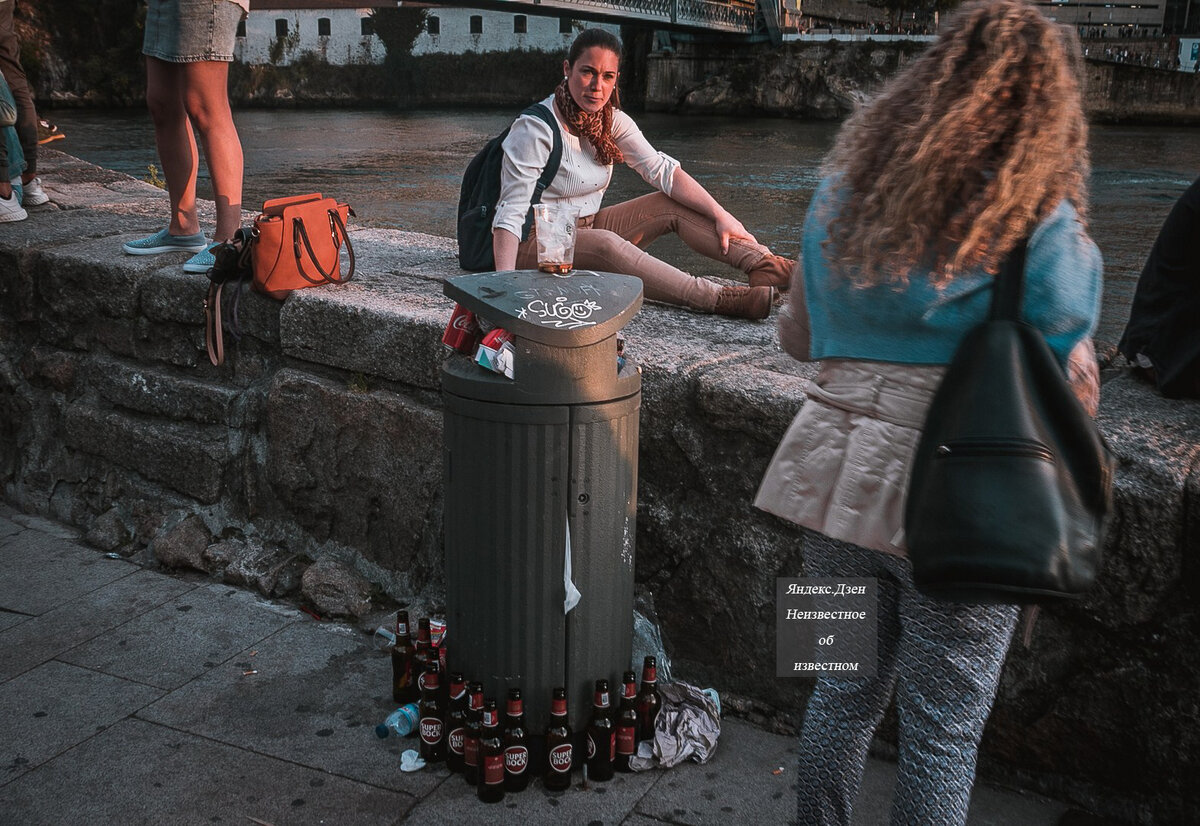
317 449
825 78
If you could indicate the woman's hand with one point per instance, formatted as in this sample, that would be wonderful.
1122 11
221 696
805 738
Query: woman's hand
730 227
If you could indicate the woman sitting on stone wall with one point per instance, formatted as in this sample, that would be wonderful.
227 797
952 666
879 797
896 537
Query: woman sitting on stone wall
596 134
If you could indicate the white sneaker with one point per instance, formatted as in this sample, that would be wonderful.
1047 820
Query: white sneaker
34 194
10 210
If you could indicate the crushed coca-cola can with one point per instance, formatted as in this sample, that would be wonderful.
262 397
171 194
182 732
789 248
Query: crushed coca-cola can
462 331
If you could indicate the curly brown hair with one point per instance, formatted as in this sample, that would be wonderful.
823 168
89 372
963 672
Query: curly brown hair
963 152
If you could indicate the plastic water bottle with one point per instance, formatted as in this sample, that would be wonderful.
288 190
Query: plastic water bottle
401 722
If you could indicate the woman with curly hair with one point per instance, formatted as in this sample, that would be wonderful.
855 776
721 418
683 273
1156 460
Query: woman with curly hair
596 134
979 144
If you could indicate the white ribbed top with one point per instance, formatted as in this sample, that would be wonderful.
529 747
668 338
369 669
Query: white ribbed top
581 179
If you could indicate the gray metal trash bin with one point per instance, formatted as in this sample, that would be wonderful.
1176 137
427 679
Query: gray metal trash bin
527 460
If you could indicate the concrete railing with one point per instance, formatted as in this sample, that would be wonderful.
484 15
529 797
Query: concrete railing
321 439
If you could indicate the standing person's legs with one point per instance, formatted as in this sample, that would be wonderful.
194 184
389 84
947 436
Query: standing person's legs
165 95
206 100
950 660
843 712
643 220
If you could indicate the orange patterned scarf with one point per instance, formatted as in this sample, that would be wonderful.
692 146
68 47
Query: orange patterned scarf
595 128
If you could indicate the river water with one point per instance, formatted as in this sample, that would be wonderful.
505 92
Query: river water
402 170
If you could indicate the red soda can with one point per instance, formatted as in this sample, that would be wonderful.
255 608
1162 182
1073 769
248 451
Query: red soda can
462 332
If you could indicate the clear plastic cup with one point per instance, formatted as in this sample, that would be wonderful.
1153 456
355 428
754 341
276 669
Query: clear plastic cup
555 227
383 639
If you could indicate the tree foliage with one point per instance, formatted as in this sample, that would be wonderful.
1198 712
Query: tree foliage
97 42
399 28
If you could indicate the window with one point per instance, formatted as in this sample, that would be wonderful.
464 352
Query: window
281 27
519 24
433 25
476 24
322 27
241 29
366 26
564 25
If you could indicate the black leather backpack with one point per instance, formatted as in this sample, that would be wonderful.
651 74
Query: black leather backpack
1011 481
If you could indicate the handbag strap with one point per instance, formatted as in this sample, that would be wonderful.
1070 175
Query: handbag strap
214 337
336 228
1009 285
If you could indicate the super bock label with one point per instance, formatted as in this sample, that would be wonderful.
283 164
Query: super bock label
560 757
431 730
516 759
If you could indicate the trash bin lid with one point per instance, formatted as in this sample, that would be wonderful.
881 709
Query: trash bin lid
574 310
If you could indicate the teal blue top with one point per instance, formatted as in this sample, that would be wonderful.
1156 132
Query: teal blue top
916 323
15 155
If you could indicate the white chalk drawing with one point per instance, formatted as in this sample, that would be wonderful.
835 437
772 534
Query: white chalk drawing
560 313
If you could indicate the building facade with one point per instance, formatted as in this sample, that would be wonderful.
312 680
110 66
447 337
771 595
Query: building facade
459 30
337 31
342 32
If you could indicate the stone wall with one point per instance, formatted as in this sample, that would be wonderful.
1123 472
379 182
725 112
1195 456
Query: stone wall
825 79
1120 92
320 440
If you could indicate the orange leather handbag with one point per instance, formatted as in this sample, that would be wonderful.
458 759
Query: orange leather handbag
300 243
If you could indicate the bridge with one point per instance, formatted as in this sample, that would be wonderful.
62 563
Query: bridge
757 19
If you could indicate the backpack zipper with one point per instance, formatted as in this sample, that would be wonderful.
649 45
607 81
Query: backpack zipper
995 447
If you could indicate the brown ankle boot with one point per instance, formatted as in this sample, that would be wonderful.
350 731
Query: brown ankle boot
772 271
745 302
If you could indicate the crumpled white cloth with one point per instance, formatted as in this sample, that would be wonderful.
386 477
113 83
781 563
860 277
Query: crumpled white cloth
410 761
687 727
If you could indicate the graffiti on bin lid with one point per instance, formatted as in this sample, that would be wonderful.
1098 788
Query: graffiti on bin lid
560 312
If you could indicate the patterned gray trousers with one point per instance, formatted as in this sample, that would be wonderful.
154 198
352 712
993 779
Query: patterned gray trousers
942 660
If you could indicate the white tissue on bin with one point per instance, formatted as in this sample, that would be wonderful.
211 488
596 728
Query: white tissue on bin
573 595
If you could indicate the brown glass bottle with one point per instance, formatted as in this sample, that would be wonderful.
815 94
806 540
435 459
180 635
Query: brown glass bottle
648 701
516 746
560 757
627 723
432 716
472 732
404 681
601 736
491 756
456 722
424 650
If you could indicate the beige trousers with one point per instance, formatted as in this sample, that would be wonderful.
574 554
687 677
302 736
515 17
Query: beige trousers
615 239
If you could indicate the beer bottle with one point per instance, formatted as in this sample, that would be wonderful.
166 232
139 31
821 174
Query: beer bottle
456 722
404 681
491 756
601 736
648 701
516 749
559 751
627 723
424 652
433 717
471 734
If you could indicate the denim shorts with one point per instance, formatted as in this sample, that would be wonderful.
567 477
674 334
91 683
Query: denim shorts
189 31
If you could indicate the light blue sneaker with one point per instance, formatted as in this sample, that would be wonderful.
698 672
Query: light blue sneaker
163 241
202 261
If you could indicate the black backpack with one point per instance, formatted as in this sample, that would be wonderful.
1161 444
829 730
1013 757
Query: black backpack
1011 481
481 190
1162 339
